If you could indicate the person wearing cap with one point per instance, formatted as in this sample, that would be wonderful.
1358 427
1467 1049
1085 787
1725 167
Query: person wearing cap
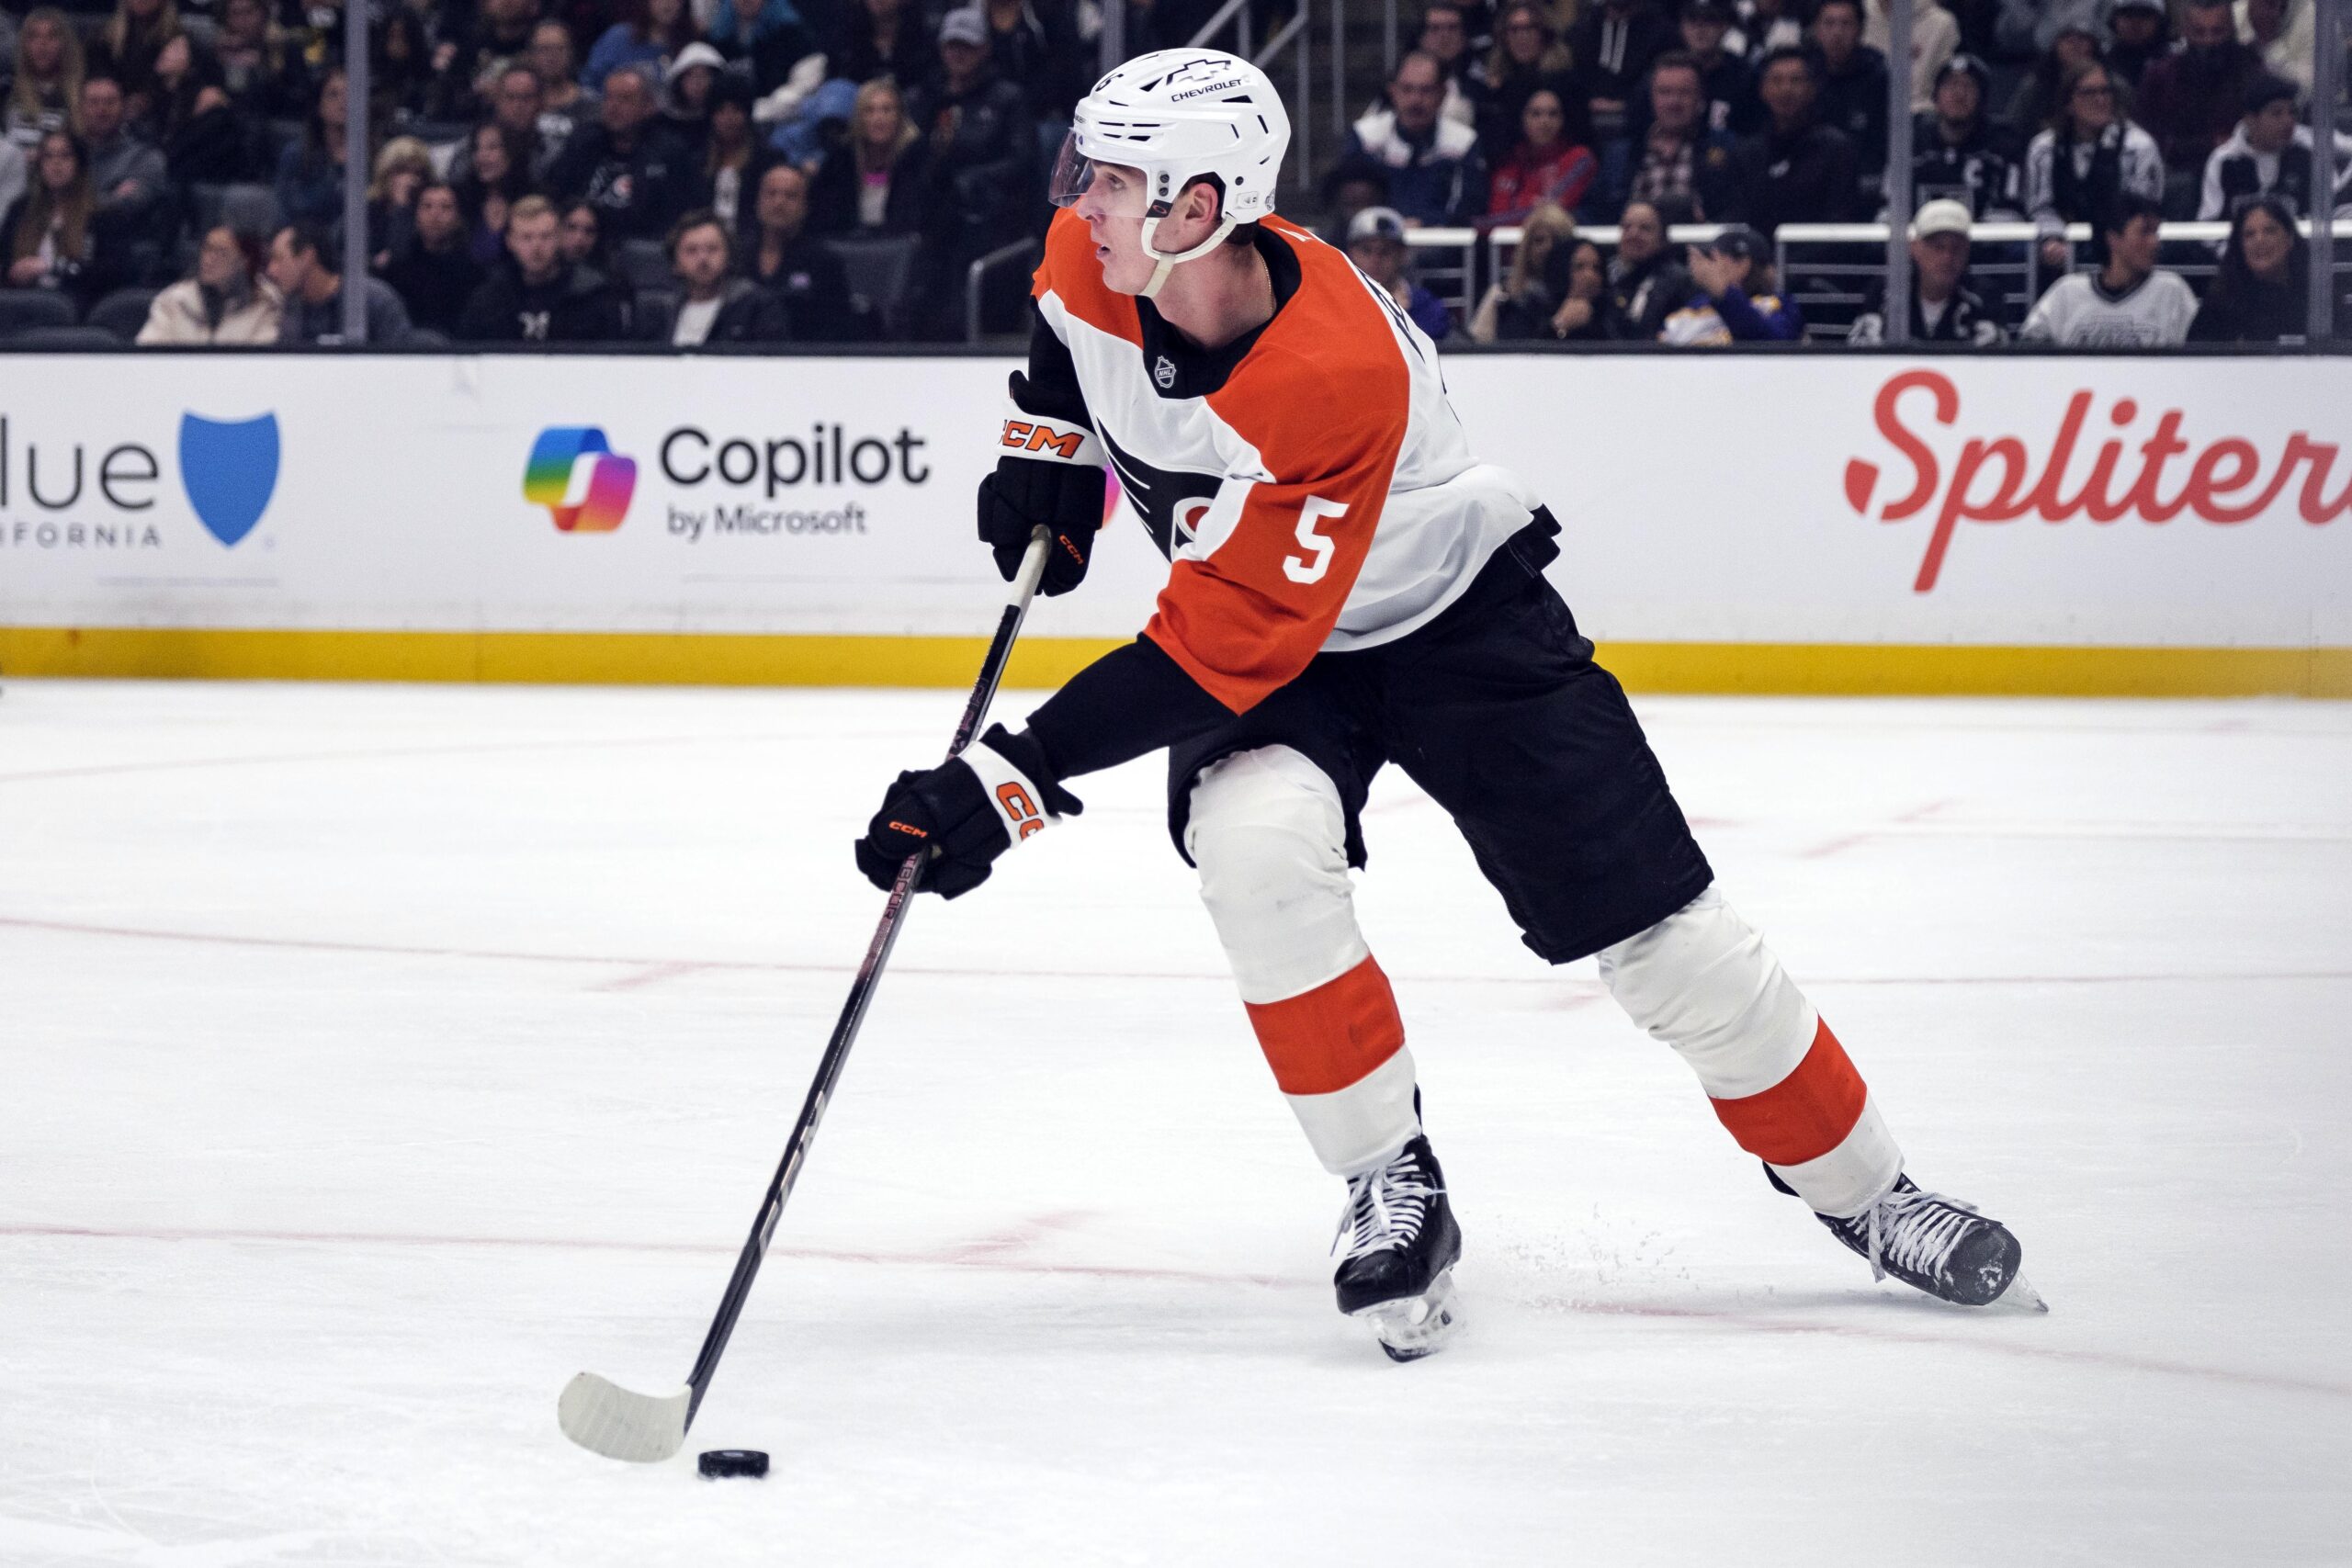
981 170
636 171
1935 38
1725 82
2268 154
1376 245
1943 308
1734 299
2129 303
2141 33
2192 98
1958 153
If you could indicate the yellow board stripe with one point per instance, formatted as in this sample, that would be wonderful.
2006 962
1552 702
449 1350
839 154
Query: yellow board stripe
721 659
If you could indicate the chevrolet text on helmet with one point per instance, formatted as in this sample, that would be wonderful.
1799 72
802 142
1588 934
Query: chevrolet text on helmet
1181 115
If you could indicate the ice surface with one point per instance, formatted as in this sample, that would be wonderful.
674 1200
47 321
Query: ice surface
374 1059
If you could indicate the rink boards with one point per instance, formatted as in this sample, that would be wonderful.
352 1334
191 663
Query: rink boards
2164 525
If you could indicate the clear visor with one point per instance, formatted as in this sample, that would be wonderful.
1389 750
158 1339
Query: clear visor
1120 188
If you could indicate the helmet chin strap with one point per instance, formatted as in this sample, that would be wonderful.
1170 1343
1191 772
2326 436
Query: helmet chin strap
1165 263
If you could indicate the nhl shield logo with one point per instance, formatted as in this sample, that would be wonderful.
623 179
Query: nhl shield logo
230 470
1164 373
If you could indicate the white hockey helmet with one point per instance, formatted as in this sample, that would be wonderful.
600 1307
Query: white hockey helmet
1181 115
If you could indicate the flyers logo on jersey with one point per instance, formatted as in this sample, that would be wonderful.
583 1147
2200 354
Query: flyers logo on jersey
1020 812
1022 436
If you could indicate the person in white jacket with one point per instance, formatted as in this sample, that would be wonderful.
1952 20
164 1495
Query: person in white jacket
2128 303
225 302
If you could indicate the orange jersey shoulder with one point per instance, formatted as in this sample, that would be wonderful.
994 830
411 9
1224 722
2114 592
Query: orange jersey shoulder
1075 276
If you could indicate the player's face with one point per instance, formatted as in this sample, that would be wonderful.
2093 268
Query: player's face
1112 206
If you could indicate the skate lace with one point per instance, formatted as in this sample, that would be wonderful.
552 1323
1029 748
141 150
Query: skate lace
1385 1208
1915 1231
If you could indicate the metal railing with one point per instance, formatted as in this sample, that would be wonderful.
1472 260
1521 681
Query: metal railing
1024 253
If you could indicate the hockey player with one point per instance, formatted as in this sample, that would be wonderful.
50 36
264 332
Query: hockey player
1351 586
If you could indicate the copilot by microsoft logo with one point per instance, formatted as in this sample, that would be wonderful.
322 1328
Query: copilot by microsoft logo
577 476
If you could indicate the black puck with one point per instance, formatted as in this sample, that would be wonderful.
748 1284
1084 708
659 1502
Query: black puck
716 1462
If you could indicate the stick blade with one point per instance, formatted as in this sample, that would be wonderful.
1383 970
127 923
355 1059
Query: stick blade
605 1418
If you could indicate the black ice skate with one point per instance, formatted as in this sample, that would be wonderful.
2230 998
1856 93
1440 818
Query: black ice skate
1934 1244
1401 1244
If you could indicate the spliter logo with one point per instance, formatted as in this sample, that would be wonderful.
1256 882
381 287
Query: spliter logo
229 471
2224 481
577 476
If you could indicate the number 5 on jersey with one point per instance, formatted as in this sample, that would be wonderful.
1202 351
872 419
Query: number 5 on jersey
1310 567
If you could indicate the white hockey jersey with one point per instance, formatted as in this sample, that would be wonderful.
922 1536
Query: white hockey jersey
2078 312
1309 482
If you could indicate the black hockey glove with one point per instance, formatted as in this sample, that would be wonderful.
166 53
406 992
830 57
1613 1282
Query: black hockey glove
1055 482
967 812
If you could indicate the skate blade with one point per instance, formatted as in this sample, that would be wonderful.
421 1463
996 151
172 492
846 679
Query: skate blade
2019 1297
1413 1326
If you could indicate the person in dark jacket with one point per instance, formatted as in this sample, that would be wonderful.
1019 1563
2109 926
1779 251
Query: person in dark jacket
2141 32
882 38
763 39
535 295
982 172
1613 44
435 274
714 305
2190 100
52 237
1852 82
1647 281
1036 45
873 183
781 255
1798 170
1727 80
636 171
2262 293
1957 152
1943 308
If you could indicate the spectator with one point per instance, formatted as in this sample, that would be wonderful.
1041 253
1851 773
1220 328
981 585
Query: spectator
564 105
651 33
981 171
1528 55
1943 308
127 46
2087 160
1035 44
1645 282
1583 316
1376 245
132 181
785 259
51 237
265 77
402 84
493 178
1935 38
2127 303
202 137
467 70
45 85
2262 293
1734 298
1797 170
2282 31
1354 183
310 172
1613 44
401 170
1520 306
1956 153
2042 91
731 160
1545 168
435 274
14 173
581 241
1725 83
533 295
715 305
1677 159
761 41
1445 38
882 38
2190 100
636 171
2140 32
311 292
1768 27
1850 83
1435 174
2269 155
873 184
223 302
516 102
2032 27
687 89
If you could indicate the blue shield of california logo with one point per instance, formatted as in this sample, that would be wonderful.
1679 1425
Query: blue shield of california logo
229 469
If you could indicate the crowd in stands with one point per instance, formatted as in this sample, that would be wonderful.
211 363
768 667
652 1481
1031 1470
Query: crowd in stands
694 172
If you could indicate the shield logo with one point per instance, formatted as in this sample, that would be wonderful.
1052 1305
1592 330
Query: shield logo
1164 372
228 469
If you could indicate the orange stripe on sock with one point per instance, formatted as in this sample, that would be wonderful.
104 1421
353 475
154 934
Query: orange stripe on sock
1321 1040
1804 1115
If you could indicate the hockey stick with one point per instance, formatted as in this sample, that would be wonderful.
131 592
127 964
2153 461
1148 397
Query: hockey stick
600 1415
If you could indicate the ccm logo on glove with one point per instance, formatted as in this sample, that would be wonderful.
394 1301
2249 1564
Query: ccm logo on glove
1022 436
966 813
